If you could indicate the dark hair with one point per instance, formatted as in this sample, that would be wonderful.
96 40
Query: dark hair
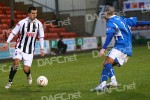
61 37
31 8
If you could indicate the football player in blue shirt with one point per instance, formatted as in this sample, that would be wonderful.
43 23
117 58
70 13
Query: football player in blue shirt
119 28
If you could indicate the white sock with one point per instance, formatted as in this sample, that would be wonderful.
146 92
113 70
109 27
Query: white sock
113 79
103 83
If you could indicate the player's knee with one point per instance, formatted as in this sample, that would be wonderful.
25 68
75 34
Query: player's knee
26 69
105 62
109 60
16 63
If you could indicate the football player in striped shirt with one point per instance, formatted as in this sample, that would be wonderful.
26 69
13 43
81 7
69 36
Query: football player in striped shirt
27 30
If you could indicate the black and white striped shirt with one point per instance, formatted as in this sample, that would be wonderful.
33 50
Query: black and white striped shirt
28 31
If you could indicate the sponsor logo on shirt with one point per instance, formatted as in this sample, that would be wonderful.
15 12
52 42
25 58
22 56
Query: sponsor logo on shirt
30 34
108 28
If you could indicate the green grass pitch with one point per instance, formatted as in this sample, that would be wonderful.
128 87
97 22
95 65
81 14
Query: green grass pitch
73 79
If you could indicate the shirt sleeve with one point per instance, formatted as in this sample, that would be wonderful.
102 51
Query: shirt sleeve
132 21
11 36
16 30
41 43
143 23
108 40
110 31
40 31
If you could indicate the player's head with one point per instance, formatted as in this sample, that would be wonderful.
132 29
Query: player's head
109 11
32 13
61 37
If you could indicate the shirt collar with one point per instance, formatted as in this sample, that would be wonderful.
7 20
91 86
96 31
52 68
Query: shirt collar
30 20
112 16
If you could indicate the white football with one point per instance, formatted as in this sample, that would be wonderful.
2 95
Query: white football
42 81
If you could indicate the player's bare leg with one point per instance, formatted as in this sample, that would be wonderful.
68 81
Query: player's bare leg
12 73
27 71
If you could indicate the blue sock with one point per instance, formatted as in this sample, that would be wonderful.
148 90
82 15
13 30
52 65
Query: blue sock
109 69
104 75
112 73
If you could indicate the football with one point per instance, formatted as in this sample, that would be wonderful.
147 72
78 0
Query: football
42 81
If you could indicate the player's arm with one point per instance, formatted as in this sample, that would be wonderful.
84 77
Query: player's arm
8 40
41 43
132 21
12 34
41 38
143 23
110 33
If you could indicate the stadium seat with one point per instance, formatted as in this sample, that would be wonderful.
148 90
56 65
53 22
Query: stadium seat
2 16
7 12
19 16
51 32
49 36
5 7
46 36
68 34
16 21
138 27
145 27
1 38
8 16
4 26
1 12
6 21
1 4
54 36
57 30
149 27
133 28
16 12
64 35
46 27
62 29
52 29
72 34
1 31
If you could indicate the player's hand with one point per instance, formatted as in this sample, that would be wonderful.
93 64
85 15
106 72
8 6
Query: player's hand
5 45
42 52
101 52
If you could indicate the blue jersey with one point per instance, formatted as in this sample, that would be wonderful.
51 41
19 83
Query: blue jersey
119 28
